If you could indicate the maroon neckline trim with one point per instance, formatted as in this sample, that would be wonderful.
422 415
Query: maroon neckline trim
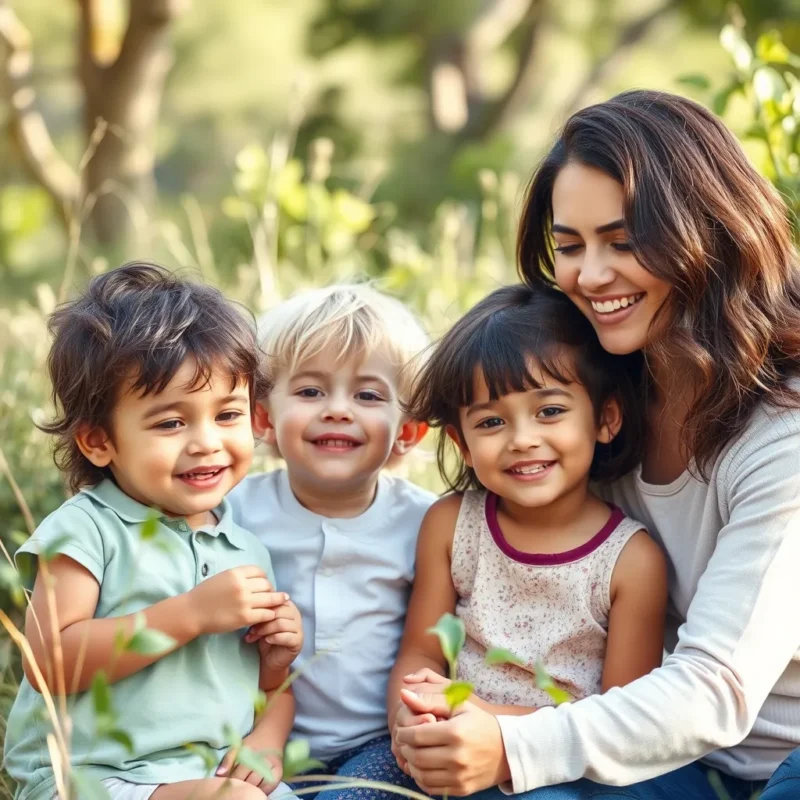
548 559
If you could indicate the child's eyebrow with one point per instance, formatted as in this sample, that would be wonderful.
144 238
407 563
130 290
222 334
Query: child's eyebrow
543 394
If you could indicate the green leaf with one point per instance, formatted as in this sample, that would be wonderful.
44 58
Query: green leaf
721 99
769 47
209 756
89 788
451 633
546 684
101 695
149 527
458 692
232 738
297 759
19 538
695 80
149 642
501 656
122 737
260 702
11 581
252 760
54 548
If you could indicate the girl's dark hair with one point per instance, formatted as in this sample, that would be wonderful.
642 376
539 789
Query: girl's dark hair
138 323
700 218
501 336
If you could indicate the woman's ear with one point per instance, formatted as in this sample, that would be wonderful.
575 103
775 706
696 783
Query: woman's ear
411 433
455 435
262 424
95 444
610 421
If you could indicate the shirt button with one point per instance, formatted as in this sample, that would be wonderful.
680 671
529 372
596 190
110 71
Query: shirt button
204 570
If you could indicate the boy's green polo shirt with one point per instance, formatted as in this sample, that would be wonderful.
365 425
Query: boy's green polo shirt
186 697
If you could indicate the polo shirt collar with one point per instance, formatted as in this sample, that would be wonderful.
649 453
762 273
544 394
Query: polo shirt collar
107 493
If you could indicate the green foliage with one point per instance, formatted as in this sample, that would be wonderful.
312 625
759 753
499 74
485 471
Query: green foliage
452 636
297 759
766 81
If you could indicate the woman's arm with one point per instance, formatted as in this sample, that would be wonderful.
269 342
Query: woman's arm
741 632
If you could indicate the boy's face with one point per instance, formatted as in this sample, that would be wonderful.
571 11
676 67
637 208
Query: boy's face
181 450
336 421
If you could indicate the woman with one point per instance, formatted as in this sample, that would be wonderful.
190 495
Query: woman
647 214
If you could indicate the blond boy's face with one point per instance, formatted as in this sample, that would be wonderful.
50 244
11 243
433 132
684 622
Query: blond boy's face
181 450
336 421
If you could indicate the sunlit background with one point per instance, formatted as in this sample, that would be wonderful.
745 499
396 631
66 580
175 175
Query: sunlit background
269 145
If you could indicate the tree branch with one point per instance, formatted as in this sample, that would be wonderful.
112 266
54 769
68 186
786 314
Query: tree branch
630 36
28 127
490 115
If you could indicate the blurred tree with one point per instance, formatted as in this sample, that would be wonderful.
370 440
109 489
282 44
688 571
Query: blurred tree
123 57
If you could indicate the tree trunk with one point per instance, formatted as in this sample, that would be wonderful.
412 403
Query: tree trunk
125 98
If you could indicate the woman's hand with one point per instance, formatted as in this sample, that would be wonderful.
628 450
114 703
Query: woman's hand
460 754
426 681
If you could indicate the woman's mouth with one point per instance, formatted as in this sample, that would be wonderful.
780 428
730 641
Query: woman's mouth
616 309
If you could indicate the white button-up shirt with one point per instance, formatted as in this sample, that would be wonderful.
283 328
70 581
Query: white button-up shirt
350 578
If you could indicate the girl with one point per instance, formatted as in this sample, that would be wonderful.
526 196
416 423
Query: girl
523 552
649 217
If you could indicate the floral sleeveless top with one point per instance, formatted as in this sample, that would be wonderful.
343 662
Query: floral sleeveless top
548 607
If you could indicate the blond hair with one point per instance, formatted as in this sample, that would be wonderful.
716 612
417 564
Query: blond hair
355 319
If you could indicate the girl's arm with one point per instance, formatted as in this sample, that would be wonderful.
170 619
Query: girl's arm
635 644
432 595
60 619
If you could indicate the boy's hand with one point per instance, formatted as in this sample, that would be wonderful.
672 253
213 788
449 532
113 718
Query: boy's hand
234 599
231 769
281 640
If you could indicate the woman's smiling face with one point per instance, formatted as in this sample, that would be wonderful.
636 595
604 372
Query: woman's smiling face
594 263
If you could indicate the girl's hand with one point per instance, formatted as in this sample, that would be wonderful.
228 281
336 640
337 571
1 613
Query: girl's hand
426 681
459 755
230 769
404 717
281 640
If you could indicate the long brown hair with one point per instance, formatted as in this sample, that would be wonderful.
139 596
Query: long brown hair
699 217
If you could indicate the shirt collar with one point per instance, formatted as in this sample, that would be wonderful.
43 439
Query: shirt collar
372 519
126 508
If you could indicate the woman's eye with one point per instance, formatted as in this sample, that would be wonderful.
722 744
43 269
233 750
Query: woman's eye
309 392
566 249
491 422
169 425
368 396
621 247
550 412
229 416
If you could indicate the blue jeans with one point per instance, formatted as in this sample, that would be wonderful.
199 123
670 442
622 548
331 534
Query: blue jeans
693 782
372 761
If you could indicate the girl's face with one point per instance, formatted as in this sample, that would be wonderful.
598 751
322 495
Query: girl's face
534 448
594 264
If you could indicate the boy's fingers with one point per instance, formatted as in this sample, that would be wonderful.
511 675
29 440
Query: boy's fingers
225 764
282 639
268 599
